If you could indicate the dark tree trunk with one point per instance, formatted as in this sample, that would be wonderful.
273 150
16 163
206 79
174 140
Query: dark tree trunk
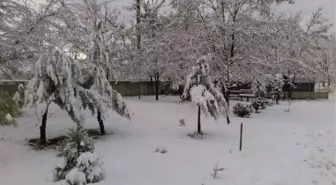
292 88
199 130
101 123
138 22
151 85
139 91
227 97
181 91
226 94
277 98
228 119
157 84
43 137
290 93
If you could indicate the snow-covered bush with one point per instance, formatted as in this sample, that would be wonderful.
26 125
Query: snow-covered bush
256 105
80 164
8 109
241 110
250 107
7 120
265 102
262 102
200 90
19 95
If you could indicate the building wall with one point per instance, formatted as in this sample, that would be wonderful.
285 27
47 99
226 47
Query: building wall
125 88
309 95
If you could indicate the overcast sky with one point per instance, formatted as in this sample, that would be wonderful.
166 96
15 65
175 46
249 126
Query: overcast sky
306 6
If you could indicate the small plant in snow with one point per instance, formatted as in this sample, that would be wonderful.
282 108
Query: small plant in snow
161 150
216 169
241 110
182 122
256 105
197 135
201 91
8 120
80 164
263 103
19 95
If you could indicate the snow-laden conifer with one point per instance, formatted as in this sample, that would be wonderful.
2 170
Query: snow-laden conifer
200 90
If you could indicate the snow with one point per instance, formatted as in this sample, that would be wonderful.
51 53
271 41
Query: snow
8 118
90 163
279 148
76 177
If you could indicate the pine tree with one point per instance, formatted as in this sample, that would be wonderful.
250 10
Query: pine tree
80 164
201 91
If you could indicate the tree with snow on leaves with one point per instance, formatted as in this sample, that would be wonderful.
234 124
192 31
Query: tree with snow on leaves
72 85
200 90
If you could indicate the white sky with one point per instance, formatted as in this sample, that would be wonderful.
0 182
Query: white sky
306 6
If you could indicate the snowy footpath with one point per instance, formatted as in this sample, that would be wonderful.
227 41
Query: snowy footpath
279 148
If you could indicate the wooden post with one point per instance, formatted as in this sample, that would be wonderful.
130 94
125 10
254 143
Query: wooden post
199 131
241 137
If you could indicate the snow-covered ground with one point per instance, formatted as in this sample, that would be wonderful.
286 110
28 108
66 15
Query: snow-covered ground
279 148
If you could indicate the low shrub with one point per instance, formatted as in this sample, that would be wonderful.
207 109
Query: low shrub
256 105
241 110
8 108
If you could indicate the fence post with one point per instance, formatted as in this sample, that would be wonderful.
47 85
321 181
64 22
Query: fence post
241 137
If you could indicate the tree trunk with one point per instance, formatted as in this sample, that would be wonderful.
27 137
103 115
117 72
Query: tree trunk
199 130
151 85
226 94
101 123
138 86
277 97
181 90
157 84
43 138
138 22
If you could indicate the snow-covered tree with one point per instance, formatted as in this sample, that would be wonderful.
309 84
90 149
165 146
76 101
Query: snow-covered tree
80 164
73 85
200 90
93 32
27 29
149 58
